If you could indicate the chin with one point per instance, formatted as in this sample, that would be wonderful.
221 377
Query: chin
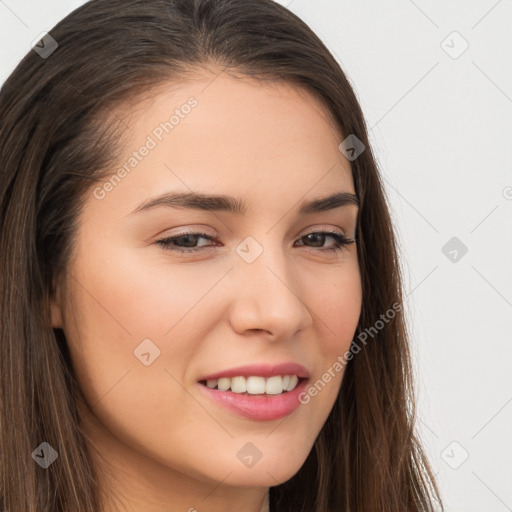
270 470
268 476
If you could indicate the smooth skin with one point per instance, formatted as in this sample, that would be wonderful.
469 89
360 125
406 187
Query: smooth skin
160 444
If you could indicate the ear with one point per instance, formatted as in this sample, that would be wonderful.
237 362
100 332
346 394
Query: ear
56 307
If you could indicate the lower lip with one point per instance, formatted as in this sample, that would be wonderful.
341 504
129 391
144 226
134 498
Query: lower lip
258 407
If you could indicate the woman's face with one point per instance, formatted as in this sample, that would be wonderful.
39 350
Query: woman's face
260 293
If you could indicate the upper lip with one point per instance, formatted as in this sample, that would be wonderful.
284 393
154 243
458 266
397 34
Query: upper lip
261 370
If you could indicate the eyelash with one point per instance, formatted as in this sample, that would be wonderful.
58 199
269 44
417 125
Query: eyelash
342 241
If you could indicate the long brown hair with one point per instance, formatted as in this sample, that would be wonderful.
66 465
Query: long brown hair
60 130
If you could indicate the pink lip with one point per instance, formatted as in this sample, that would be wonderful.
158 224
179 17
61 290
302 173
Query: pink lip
261 370
258 407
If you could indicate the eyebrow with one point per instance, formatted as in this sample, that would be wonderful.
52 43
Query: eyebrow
236 206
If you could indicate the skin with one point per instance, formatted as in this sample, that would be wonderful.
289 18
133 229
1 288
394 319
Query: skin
158 442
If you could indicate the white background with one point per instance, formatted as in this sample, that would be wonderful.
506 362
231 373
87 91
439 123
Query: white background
441 129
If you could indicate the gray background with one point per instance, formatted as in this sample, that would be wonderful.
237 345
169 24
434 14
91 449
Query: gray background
440 124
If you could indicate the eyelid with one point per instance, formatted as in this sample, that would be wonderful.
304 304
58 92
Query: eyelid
194 230
308 230
326 228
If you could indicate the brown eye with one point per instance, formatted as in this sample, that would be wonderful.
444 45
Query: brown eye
184 242
318 239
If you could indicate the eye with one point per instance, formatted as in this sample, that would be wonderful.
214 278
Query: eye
187 239
186 242
318 238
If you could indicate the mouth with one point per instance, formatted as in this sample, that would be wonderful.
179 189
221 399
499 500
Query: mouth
257 392
255 397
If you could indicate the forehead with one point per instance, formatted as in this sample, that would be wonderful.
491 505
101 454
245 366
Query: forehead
239 136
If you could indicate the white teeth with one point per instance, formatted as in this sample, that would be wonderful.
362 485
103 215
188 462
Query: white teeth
294 380
238 385
255 385
274 385
224 384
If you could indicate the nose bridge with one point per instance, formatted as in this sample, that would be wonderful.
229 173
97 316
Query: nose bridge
267 294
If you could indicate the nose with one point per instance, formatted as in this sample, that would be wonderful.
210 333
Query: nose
267 296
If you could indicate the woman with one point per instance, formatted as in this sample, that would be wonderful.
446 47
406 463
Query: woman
201 298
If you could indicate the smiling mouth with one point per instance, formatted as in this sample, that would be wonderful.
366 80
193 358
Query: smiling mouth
255 385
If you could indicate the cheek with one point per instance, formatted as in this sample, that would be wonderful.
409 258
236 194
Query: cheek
127 297
118 303
337 303
336 299
115 308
